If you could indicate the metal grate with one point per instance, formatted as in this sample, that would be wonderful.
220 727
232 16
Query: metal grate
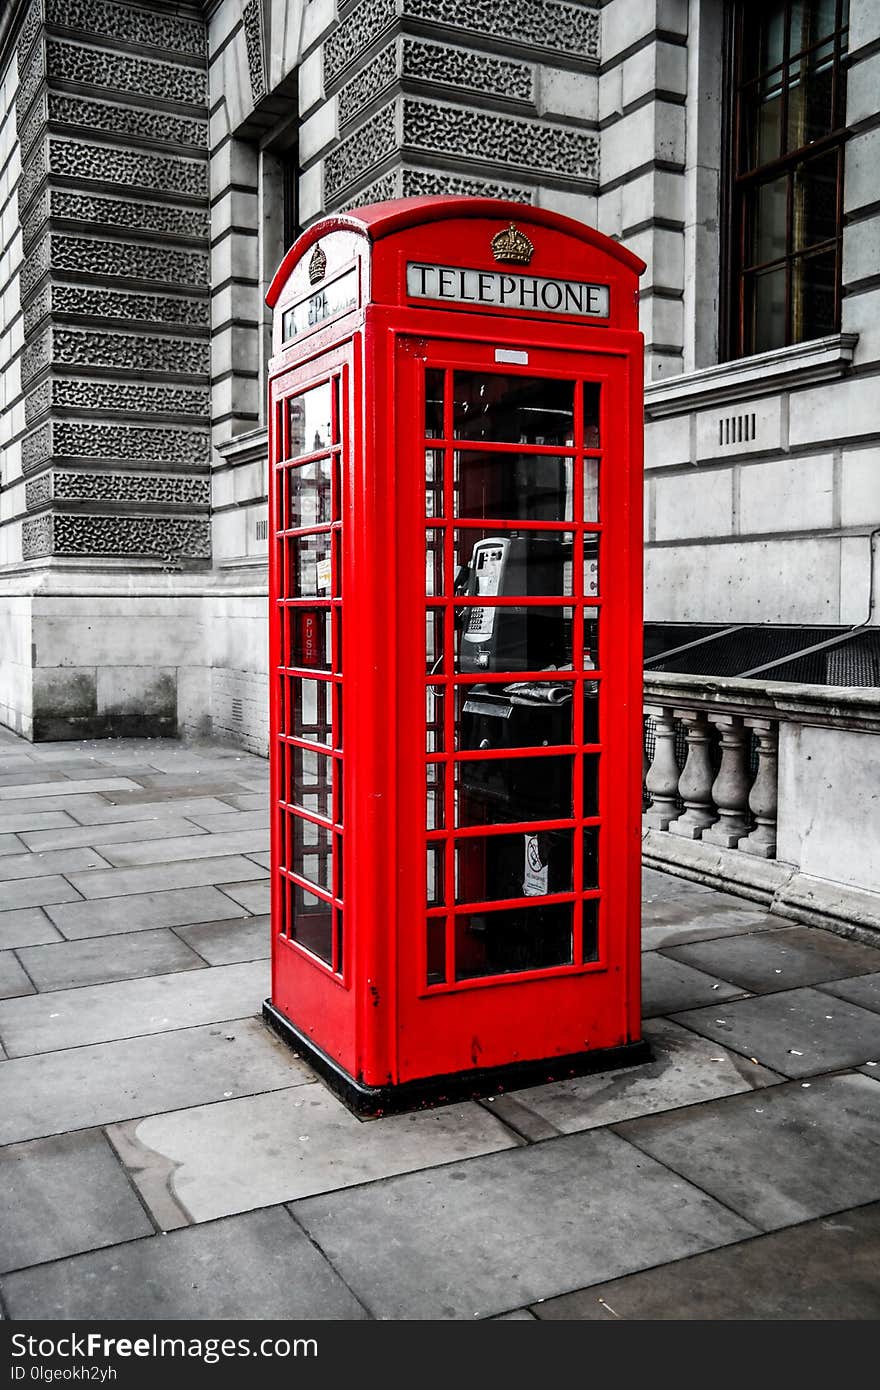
756 651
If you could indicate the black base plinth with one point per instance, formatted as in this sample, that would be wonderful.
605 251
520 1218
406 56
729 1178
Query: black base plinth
368 1102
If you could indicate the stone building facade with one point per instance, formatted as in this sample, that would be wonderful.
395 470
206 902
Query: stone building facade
156 159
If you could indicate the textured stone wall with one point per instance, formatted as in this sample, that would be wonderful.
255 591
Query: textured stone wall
112 126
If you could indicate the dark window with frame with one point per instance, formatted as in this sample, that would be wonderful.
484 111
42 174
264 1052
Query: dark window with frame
786 171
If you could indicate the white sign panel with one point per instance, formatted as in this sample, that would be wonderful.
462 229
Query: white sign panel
505 290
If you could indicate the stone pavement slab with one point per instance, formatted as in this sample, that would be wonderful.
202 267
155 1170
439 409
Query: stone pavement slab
62 1195
141 911
864 991
11 844
26 926
84 1086
671 929
824 1269
121 832
188 873
13 980
237 820
16 820
775 960
14 867
668 986
36 892
789 1154
491 1234
61 789
223 943
97 811
130 1008
70 964
171 789
253 897
219 1159
686 1070
258 1266
249 801
187 847
801 1032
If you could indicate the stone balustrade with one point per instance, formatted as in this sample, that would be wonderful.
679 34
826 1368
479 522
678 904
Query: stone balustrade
768 790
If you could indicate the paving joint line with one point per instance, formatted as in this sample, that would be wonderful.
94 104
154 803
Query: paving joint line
327 1260
129 1177
728 1047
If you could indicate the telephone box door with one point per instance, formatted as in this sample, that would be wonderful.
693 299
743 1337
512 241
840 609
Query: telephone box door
519 809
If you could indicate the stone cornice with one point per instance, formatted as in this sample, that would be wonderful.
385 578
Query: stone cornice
843 707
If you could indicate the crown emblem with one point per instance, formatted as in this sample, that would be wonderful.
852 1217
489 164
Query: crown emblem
317 265
512 245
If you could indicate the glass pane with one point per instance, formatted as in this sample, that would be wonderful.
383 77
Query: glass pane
764 310
591 638
591 929
435 704
513 487
765 40
501 791
496 639
517 562
436 930
436 888
523 938
312 924
310 637
309 494
591 784
591 857
434 641
312 853
313 711
434 482
810 97
435 783
491 868
515 409
814 214
768 222
591 714
814 282
525 714
434 562
434 381
311 422
591 489
591 415
591 565
312 781
310 561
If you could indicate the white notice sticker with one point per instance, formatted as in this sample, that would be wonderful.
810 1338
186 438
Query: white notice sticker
537 873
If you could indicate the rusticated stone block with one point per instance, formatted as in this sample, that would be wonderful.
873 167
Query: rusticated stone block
370 144
137 27
177 490
125 120
362 27
74 62
252 17
532 145
156 173
97 256
122 397
151 308
131 351
30 28
133 214
162 537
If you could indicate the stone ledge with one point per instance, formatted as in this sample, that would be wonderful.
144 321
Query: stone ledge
781 888
830 706
803 364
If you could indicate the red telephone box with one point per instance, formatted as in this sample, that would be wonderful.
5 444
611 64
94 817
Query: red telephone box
455 506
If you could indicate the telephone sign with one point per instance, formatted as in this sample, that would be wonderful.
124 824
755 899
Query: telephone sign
455 650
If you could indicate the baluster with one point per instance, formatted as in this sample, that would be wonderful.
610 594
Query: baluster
730 790
695 783
646 800
763 798
662 778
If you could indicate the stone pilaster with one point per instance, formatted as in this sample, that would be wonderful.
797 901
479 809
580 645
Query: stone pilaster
111 118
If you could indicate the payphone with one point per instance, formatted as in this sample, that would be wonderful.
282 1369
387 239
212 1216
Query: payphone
456 745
